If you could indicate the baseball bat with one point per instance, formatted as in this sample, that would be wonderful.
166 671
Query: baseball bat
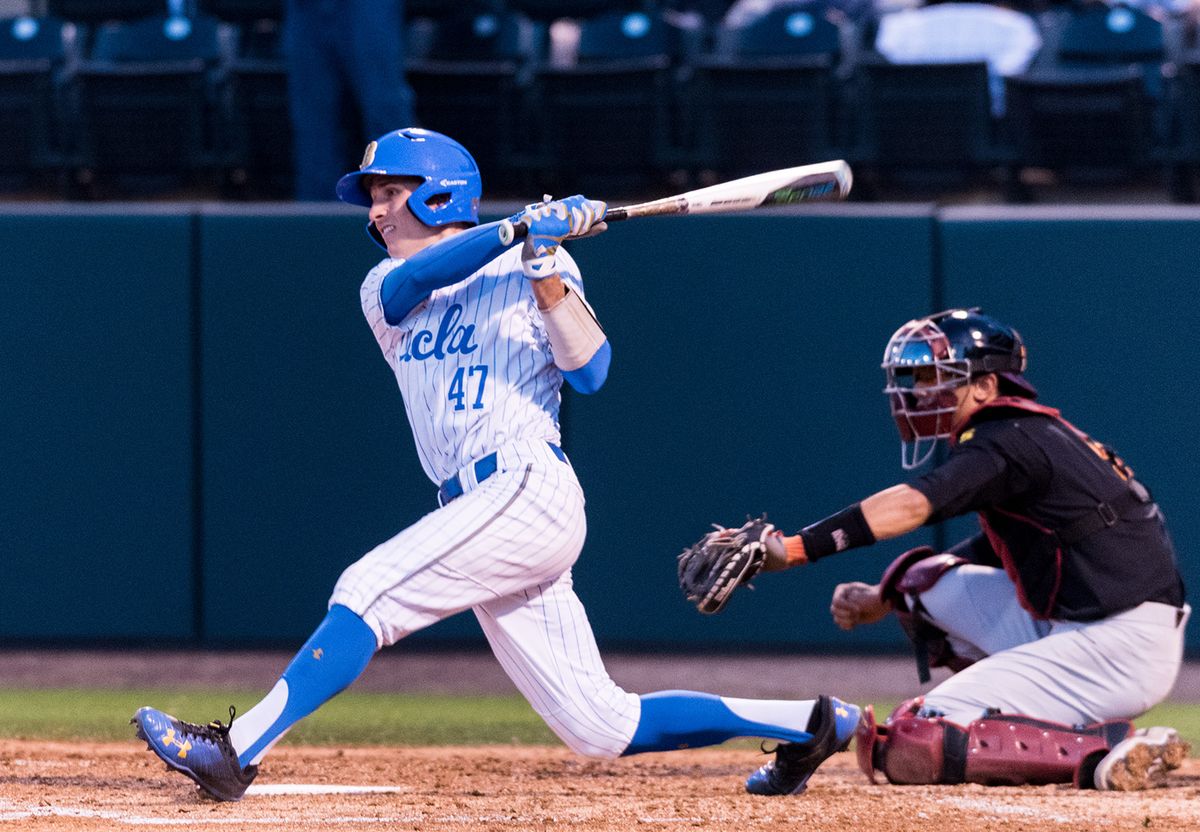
821 182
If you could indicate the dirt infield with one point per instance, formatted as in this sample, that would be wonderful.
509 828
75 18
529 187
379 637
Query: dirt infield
69 786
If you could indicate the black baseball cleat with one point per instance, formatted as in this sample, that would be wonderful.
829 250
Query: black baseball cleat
832 727
202 752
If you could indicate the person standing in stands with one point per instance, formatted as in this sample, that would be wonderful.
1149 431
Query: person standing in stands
342 56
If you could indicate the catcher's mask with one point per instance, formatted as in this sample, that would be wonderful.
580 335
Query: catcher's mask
928 359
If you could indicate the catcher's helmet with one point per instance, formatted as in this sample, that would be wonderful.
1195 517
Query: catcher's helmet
957 345
452 184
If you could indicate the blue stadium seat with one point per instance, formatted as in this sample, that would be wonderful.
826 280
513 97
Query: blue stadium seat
785 31
33 53
548 10
145 100
469 75
766 97
255 139
924 124
1185 132
1115 34
1108 37
609 114
1092 127
102 11
258 22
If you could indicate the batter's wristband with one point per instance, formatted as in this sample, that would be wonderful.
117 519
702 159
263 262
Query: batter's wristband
847 529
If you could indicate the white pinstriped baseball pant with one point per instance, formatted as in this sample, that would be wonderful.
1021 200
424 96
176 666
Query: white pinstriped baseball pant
505 549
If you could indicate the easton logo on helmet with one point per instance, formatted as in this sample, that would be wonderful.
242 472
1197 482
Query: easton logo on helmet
446 183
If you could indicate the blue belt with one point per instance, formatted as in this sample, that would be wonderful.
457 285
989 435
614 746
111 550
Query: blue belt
452 488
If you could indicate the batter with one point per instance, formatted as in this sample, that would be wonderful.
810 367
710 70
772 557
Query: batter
480 335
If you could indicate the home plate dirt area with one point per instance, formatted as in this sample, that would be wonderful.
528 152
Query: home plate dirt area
90 786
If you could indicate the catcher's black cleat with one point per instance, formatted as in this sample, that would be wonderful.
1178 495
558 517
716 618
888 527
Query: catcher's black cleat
832 727
202 752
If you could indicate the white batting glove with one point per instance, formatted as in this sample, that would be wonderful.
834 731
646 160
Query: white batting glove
550 223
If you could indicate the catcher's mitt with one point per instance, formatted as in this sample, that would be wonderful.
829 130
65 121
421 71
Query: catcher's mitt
721 561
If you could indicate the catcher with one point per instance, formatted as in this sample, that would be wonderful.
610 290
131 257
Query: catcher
1062 620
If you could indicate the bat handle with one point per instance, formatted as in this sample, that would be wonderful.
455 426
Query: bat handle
510 231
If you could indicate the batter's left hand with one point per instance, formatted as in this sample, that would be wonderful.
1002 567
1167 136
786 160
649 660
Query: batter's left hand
552 222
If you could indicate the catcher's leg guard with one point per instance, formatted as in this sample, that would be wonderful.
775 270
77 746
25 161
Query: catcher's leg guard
999 749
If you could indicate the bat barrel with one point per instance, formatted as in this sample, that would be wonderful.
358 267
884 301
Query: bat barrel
818 182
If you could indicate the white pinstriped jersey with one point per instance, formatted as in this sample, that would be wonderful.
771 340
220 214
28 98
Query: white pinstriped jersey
473 362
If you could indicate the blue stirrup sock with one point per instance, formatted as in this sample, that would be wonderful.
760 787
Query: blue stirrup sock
674 719
333 657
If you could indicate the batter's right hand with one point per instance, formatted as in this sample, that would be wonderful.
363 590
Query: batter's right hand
857 603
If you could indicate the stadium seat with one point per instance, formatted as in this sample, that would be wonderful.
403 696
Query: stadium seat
766 96
927 124
548 10
785 31
144 101
469 75
33 52
258 21
608 113
255 140
97 11
1091 127
1108 37
1185 132
258 156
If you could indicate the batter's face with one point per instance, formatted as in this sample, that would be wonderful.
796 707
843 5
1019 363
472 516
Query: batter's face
403 234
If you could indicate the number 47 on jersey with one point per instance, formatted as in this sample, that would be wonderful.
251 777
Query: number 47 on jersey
464 381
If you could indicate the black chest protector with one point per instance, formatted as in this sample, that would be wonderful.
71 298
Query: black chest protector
1034 553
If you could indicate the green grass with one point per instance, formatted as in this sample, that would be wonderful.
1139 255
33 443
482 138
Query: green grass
350 719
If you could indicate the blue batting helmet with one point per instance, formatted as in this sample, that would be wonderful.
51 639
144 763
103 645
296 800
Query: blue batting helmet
452 184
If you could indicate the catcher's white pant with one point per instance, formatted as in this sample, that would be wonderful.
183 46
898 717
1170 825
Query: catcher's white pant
505 549
1067 671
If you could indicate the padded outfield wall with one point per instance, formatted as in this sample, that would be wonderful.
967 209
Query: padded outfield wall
197 431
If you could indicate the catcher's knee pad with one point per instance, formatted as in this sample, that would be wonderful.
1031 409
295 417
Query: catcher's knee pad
914 572
999 749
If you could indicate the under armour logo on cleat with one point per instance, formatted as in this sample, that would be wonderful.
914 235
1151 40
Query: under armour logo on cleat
169 739
318 653
841 711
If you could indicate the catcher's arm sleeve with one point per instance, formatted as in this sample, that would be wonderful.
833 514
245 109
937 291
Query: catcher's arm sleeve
445 262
